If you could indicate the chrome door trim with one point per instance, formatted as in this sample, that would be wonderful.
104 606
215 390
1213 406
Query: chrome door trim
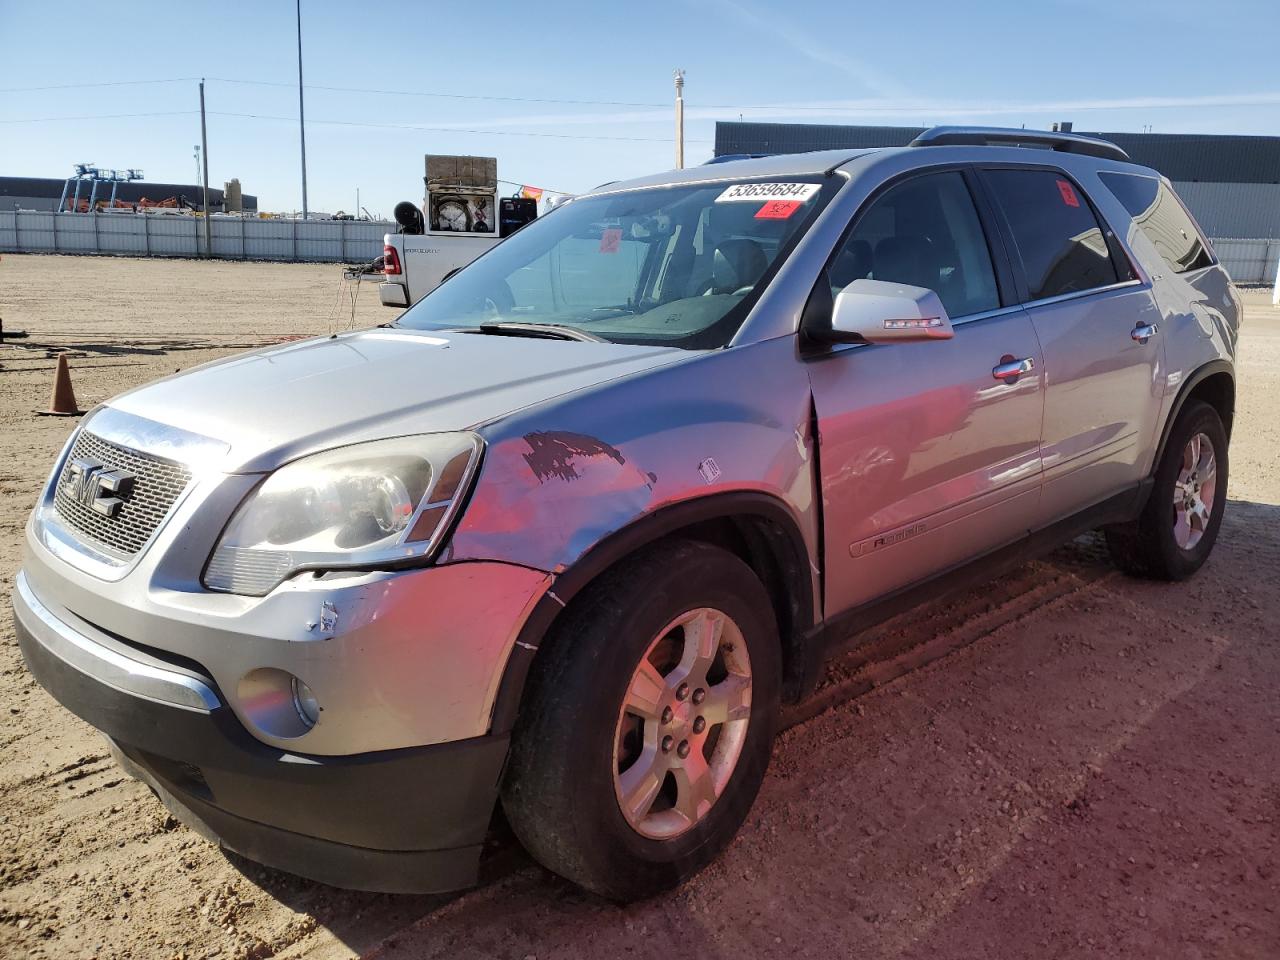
1080 294
985 315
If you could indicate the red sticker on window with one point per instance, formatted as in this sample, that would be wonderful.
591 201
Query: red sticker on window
778 209
611 240
1068 194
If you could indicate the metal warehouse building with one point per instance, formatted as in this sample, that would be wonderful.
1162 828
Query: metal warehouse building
1231 183
43 193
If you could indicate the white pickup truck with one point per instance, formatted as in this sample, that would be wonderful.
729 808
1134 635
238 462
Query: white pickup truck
464 217
415 264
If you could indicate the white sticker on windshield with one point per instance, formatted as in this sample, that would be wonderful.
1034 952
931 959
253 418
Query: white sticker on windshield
799 192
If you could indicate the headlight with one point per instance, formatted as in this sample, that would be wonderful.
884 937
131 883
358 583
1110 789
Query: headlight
355 506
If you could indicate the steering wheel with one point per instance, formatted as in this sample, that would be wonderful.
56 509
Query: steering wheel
497 301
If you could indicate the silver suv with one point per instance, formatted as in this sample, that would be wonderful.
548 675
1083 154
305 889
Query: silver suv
562 538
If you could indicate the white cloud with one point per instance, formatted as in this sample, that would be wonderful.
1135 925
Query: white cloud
778 27
913 110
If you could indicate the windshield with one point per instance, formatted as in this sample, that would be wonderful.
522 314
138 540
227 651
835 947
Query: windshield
679 266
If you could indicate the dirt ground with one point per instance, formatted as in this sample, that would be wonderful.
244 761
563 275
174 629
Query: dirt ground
1063 763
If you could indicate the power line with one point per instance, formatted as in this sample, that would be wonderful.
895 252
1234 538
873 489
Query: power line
829 109
105 116
445 96
519 183
415 127
353 123
893 108
101 83
495 98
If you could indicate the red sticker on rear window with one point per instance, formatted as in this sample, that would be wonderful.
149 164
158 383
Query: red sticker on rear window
610 240
778 209
1068 194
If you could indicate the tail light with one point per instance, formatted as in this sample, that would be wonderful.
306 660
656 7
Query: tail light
390 261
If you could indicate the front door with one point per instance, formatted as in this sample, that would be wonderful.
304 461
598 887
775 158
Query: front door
927 457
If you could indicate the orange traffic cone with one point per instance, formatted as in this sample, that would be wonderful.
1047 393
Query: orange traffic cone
63 401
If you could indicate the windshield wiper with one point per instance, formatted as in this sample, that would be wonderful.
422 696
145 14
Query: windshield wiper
546 331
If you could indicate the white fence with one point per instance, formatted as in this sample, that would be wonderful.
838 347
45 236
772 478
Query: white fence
136 235
1249 261
335 241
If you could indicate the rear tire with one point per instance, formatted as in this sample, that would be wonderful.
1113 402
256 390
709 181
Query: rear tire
1177 529
659 691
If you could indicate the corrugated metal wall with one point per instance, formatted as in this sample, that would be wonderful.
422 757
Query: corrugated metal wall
332 241
1233 209
1231 184
1179 156
1249 261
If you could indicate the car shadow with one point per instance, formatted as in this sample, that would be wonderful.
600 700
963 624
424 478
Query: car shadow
362 920
512 883
143 346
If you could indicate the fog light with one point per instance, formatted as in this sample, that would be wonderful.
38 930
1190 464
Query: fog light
277 703
304 701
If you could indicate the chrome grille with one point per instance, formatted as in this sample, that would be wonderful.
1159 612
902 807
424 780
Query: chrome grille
157 484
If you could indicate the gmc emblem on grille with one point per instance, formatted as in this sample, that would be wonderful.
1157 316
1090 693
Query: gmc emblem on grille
91 483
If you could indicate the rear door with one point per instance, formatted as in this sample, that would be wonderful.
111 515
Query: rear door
1097 324
927 458
1192 296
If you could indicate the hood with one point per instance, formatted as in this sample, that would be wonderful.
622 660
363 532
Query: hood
274 405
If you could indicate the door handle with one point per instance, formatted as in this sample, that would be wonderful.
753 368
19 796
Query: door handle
1144 332
1009 369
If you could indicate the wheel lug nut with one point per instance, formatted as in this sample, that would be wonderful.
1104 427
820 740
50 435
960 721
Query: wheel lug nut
667 743
699 724
667 715
682 692
683 749
699 695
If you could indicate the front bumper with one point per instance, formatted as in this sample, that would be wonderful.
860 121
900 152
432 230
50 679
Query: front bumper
396 659
405 820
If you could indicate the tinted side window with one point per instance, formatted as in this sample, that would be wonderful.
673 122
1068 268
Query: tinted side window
1159 215
1058 237
924 232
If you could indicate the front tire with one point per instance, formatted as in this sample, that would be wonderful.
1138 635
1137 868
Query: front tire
648 724
1177 529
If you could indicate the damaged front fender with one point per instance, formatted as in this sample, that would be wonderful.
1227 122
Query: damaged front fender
562 476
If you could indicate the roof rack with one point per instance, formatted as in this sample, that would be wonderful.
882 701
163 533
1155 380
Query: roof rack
1013 136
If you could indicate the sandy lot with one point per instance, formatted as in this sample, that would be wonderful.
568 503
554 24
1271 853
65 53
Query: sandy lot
1064 763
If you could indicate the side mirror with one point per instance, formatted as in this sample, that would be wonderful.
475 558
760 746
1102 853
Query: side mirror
878 311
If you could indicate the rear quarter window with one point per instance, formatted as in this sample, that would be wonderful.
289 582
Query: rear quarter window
1159 214
1058 237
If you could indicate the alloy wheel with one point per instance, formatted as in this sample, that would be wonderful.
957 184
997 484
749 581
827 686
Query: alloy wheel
1194 490
682 724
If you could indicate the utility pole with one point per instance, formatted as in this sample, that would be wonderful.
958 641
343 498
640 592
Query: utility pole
679 119
302 126
204 140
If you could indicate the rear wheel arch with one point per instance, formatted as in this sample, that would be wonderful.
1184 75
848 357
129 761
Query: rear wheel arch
1219 391
1215 384
756 527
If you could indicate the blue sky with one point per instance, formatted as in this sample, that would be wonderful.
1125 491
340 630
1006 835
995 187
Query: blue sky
1176 65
